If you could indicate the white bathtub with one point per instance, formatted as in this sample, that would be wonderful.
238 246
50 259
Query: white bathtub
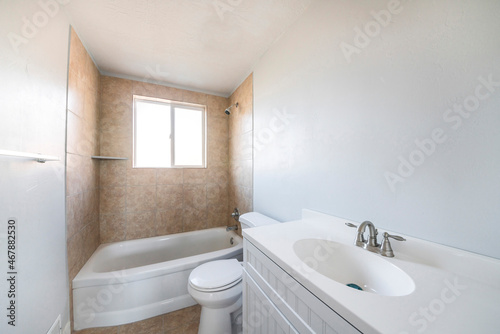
133 280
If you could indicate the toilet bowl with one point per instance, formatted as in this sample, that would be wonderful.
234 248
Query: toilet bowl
217 287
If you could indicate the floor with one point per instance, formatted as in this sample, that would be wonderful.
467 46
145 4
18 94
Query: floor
183 321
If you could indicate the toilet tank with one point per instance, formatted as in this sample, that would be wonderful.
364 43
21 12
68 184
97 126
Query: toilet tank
255 219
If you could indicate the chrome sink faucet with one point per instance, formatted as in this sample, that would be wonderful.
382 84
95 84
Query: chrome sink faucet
372 244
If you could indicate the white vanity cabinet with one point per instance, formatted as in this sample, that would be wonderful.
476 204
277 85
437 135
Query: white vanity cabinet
274 302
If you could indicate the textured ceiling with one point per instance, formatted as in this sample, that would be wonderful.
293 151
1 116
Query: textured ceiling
203 45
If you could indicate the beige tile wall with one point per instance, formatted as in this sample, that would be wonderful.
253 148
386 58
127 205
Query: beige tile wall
82 172
240 148
140 203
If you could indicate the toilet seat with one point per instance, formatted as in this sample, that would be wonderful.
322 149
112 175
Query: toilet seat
216 275
225 287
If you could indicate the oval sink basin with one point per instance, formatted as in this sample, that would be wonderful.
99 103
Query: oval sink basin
355 266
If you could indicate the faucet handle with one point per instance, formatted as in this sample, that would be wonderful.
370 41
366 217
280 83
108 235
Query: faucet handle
385 247
236 215
395 237
351 225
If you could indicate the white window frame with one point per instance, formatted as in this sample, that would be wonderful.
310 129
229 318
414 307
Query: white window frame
172 105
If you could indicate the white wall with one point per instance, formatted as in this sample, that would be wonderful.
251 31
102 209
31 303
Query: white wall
33 119
352 118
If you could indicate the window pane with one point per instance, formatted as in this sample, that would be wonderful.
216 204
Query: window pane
152 134
188 140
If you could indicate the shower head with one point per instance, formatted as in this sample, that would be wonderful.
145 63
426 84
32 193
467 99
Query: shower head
228 110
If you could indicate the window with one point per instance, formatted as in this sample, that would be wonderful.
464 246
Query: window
168 134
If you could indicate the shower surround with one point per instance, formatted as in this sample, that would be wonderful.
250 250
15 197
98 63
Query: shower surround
147 202
109 201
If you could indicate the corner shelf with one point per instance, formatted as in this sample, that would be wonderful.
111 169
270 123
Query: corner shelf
41 158
107 158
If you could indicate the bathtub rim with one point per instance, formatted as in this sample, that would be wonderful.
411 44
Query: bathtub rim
86 277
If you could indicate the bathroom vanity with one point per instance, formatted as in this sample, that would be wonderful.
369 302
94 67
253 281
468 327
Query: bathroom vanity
296 276
276 303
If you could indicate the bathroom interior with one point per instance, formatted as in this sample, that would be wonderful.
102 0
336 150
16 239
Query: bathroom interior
386 111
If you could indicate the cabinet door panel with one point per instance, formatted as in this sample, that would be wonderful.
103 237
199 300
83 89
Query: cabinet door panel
260 315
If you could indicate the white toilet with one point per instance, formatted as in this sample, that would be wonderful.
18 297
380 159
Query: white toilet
217 287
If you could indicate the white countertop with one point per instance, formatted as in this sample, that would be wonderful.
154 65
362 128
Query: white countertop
455 291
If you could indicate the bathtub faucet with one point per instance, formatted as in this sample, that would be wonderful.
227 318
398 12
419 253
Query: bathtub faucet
236 216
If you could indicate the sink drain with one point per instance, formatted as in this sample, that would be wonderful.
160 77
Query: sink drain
354 286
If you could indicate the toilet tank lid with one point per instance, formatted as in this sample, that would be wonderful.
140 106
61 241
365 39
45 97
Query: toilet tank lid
254 219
